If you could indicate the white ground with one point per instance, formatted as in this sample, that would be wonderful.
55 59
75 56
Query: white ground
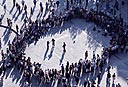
78 36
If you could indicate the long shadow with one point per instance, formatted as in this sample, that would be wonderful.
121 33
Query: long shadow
8 72
22 16
14 14
38 15
6 37
50 55
15 75
4 32
3 2
62 57
2 16
22 82
46 53
107 83
33 9
113 84
68 25
102 73
11 9
17 17
45 13
83 78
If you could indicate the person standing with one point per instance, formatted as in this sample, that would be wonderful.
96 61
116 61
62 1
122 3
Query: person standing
86 55
31 11
62 69
99 78
113 76
17 28
23 3
25 9
8 22
41 7
57 3
85 83
19 8
122 2
64 45
14 2
86 3
76 79
34 1
108 68
108 77
0 43
67 5
5 8
116 5
53 42
48 44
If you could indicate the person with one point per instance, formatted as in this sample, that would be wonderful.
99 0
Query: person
25 11
31 11
67 5
122 2
94 57
46 6
64 45
1 19
94 28
25 7
41 7
99 78
86 55
68 77
14 2
97 6
62 69
17 28
34 1
108 77
53 42
116 5
1 81
64 81
23 3
0 43
76 79
2 53
48 44
85 83
93 83
118 85
5 7
86 3
108 68
114 76
57 3
18 7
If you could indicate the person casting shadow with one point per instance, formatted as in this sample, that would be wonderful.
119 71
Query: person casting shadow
46 50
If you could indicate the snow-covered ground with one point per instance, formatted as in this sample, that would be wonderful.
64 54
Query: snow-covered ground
78 38
78 35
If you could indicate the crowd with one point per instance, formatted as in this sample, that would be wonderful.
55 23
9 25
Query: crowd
33 30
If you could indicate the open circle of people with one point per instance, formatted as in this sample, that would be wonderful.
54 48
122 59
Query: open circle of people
53 14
